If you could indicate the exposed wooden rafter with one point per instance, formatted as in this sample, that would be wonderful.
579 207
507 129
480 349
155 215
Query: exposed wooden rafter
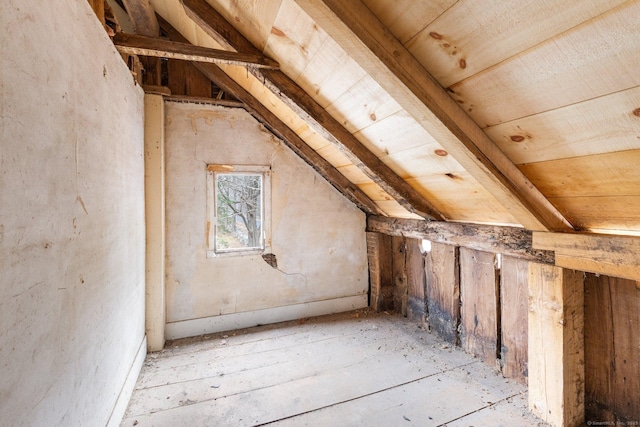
281 130
309 110
513 241
358 31
133 44
143 17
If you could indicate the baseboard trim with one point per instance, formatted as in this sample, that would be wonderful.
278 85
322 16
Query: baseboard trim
117 414
229 322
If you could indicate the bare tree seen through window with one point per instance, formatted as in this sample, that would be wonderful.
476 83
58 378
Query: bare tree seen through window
239 211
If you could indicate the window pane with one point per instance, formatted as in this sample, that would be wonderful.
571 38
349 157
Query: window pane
239 211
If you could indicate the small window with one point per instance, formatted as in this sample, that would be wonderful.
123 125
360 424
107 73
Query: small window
238 209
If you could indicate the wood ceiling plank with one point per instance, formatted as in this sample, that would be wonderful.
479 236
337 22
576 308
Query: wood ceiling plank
617 256
329 73
392 209
134 44
411 163
591 60
354 174
461 199
362 105
281 130
609 174
395 133
601 212
309 110
513 241
251 17
483 36
295 38
406 18
359 32
606 124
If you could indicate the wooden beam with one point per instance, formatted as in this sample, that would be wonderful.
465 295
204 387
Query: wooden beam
513 241
556 345
309 110
379 255
617 256
143 17
282 131
358 31
148 46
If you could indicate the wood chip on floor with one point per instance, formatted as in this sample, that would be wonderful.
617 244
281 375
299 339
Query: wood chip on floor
352 369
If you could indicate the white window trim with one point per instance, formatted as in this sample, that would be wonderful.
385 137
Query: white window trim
212 170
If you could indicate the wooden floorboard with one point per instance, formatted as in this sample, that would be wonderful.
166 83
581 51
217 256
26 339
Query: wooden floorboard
351 369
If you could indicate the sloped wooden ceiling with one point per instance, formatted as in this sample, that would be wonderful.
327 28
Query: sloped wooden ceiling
554 86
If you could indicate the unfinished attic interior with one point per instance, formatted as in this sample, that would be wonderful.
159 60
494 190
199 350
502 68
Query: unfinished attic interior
446 191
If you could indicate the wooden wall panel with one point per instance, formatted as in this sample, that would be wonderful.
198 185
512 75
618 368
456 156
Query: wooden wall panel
443 291
514 299
612 343
380 271
399 260
416 303
479 298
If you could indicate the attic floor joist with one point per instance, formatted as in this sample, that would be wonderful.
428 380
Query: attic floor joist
313 113
280 129
360 33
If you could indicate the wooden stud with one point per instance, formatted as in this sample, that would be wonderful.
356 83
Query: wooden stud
556 345
154 173
512 241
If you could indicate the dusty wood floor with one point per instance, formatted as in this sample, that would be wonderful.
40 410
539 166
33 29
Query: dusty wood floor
352 369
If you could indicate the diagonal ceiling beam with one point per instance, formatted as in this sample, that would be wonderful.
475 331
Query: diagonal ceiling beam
309 110
143 17
150 46
281 130
359 32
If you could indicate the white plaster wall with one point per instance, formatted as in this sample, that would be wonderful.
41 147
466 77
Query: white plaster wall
71 216
317 235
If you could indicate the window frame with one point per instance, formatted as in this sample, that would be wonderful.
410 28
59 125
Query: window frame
213 170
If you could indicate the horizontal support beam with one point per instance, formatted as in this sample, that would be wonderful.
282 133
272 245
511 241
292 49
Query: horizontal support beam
512 241
281 130
148 46
318 119
617 256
